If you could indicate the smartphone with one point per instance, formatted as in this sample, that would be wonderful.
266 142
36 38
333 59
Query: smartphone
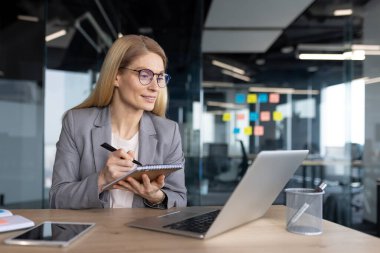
59 234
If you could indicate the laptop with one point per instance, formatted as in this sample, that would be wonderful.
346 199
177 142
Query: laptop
250 200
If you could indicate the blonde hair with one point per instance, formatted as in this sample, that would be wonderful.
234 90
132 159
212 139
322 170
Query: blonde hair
123 51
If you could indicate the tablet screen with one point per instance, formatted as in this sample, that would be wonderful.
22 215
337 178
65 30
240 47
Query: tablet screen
52 233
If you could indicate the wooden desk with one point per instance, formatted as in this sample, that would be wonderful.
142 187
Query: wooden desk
267 235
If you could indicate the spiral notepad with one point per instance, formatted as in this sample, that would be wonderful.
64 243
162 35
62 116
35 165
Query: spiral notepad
153 171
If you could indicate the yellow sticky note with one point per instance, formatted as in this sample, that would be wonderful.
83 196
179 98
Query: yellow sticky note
251 98
226 116
277 116
248 130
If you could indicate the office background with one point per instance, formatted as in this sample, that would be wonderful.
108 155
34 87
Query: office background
248 75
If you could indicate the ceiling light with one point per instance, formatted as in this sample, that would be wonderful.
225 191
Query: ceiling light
287 50
343 12
225 105
320 57
55 35
365 47
238 76
372 80
217 85
260 61
27 18
145 30
372 52
312 68
283 90
358 55
227 66
269 89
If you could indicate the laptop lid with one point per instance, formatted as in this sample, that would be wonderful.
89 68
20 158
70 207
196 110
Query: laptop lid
253 196
258 189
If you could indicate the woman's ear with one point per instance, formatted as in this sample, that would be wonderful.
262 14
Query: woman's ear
116 82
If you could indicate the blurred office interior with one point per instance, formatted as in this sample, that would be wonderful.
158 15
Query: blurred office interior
248 75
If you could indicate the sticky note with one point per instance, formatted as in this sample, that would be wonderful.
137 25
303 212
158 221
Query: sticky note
226 116
259 131
252 98
263 98
248 130
265 116
253 116
277 116
240 116
274 98
236 130
240 98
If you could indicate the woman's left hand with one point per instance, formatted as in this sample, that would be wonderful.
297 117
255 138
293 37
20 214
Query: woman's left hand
149 190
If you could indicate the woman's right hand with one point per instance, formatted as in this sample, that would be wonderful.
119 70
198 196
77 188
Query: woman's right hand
118 163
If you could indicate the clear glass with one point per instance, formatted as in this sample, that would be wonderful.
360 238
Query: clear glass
21 106
21 137
63 90
326 106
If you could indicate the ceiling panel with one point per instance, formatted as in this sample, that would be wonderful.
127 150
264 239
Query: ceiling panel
248 26
254 13
238 41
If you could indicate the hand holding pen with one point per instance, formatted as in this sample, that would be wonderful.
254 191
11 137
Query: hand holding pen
112 149
118 164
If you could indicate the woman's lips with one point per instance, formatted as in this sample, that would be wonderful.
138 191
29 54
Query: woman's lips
150 99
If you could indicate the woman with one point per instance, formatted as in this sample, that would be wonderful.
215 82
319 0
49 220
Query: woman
126 110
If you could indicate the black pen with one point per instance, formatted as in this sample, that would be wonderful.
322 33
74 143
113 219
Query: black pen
112 149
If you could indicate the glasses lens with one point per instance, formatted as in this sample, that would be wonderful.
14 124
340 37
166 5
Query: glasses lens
163 80
145 76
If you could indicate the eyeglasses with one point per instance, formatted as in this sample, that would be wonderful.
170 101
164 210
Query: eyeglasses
146 77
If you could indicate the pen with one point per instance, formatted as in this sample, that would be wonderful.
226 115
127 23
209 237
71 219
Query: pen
112 149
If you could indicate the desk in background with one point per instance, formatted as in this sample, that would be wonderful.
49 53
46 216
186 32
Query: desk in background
268 234
319 167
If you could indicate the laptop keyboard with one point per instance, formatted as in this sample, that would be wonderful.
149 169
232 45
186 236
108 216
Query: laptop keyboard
198 224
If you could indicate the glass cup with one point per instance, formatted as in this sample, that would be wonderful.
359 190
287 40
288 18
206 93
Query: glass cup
304 211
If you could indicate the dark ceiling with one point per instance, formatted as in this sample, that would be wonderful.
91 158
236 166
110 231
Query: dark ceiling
177 26
169 22
316 25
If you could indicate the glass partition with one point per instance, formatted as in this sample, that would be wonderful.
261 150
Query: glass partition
312 87
22 34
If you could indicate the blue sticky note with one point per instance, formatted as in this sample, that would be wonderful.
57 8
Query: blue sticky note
253 116
236 130
263 98
240 98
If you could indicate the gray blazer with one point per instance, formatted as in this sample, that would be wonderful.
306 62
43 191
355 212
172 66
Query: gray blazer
80 158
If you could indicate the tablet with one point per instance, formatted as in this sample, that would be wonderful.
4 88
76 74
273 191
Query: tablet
59 234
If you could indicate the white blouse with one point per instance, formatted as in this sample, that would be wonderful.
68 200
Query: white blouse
123 198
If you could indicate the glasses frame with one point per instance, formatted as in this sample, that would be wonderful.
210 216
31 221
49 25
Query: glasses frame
166 77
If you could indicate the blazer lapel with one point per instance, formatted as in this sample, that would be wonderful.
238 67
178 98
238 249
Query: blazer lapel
148 140
147 149
101 133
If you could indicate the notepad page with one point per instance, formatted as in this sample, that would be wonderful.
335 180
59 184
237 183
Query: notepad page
159 166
